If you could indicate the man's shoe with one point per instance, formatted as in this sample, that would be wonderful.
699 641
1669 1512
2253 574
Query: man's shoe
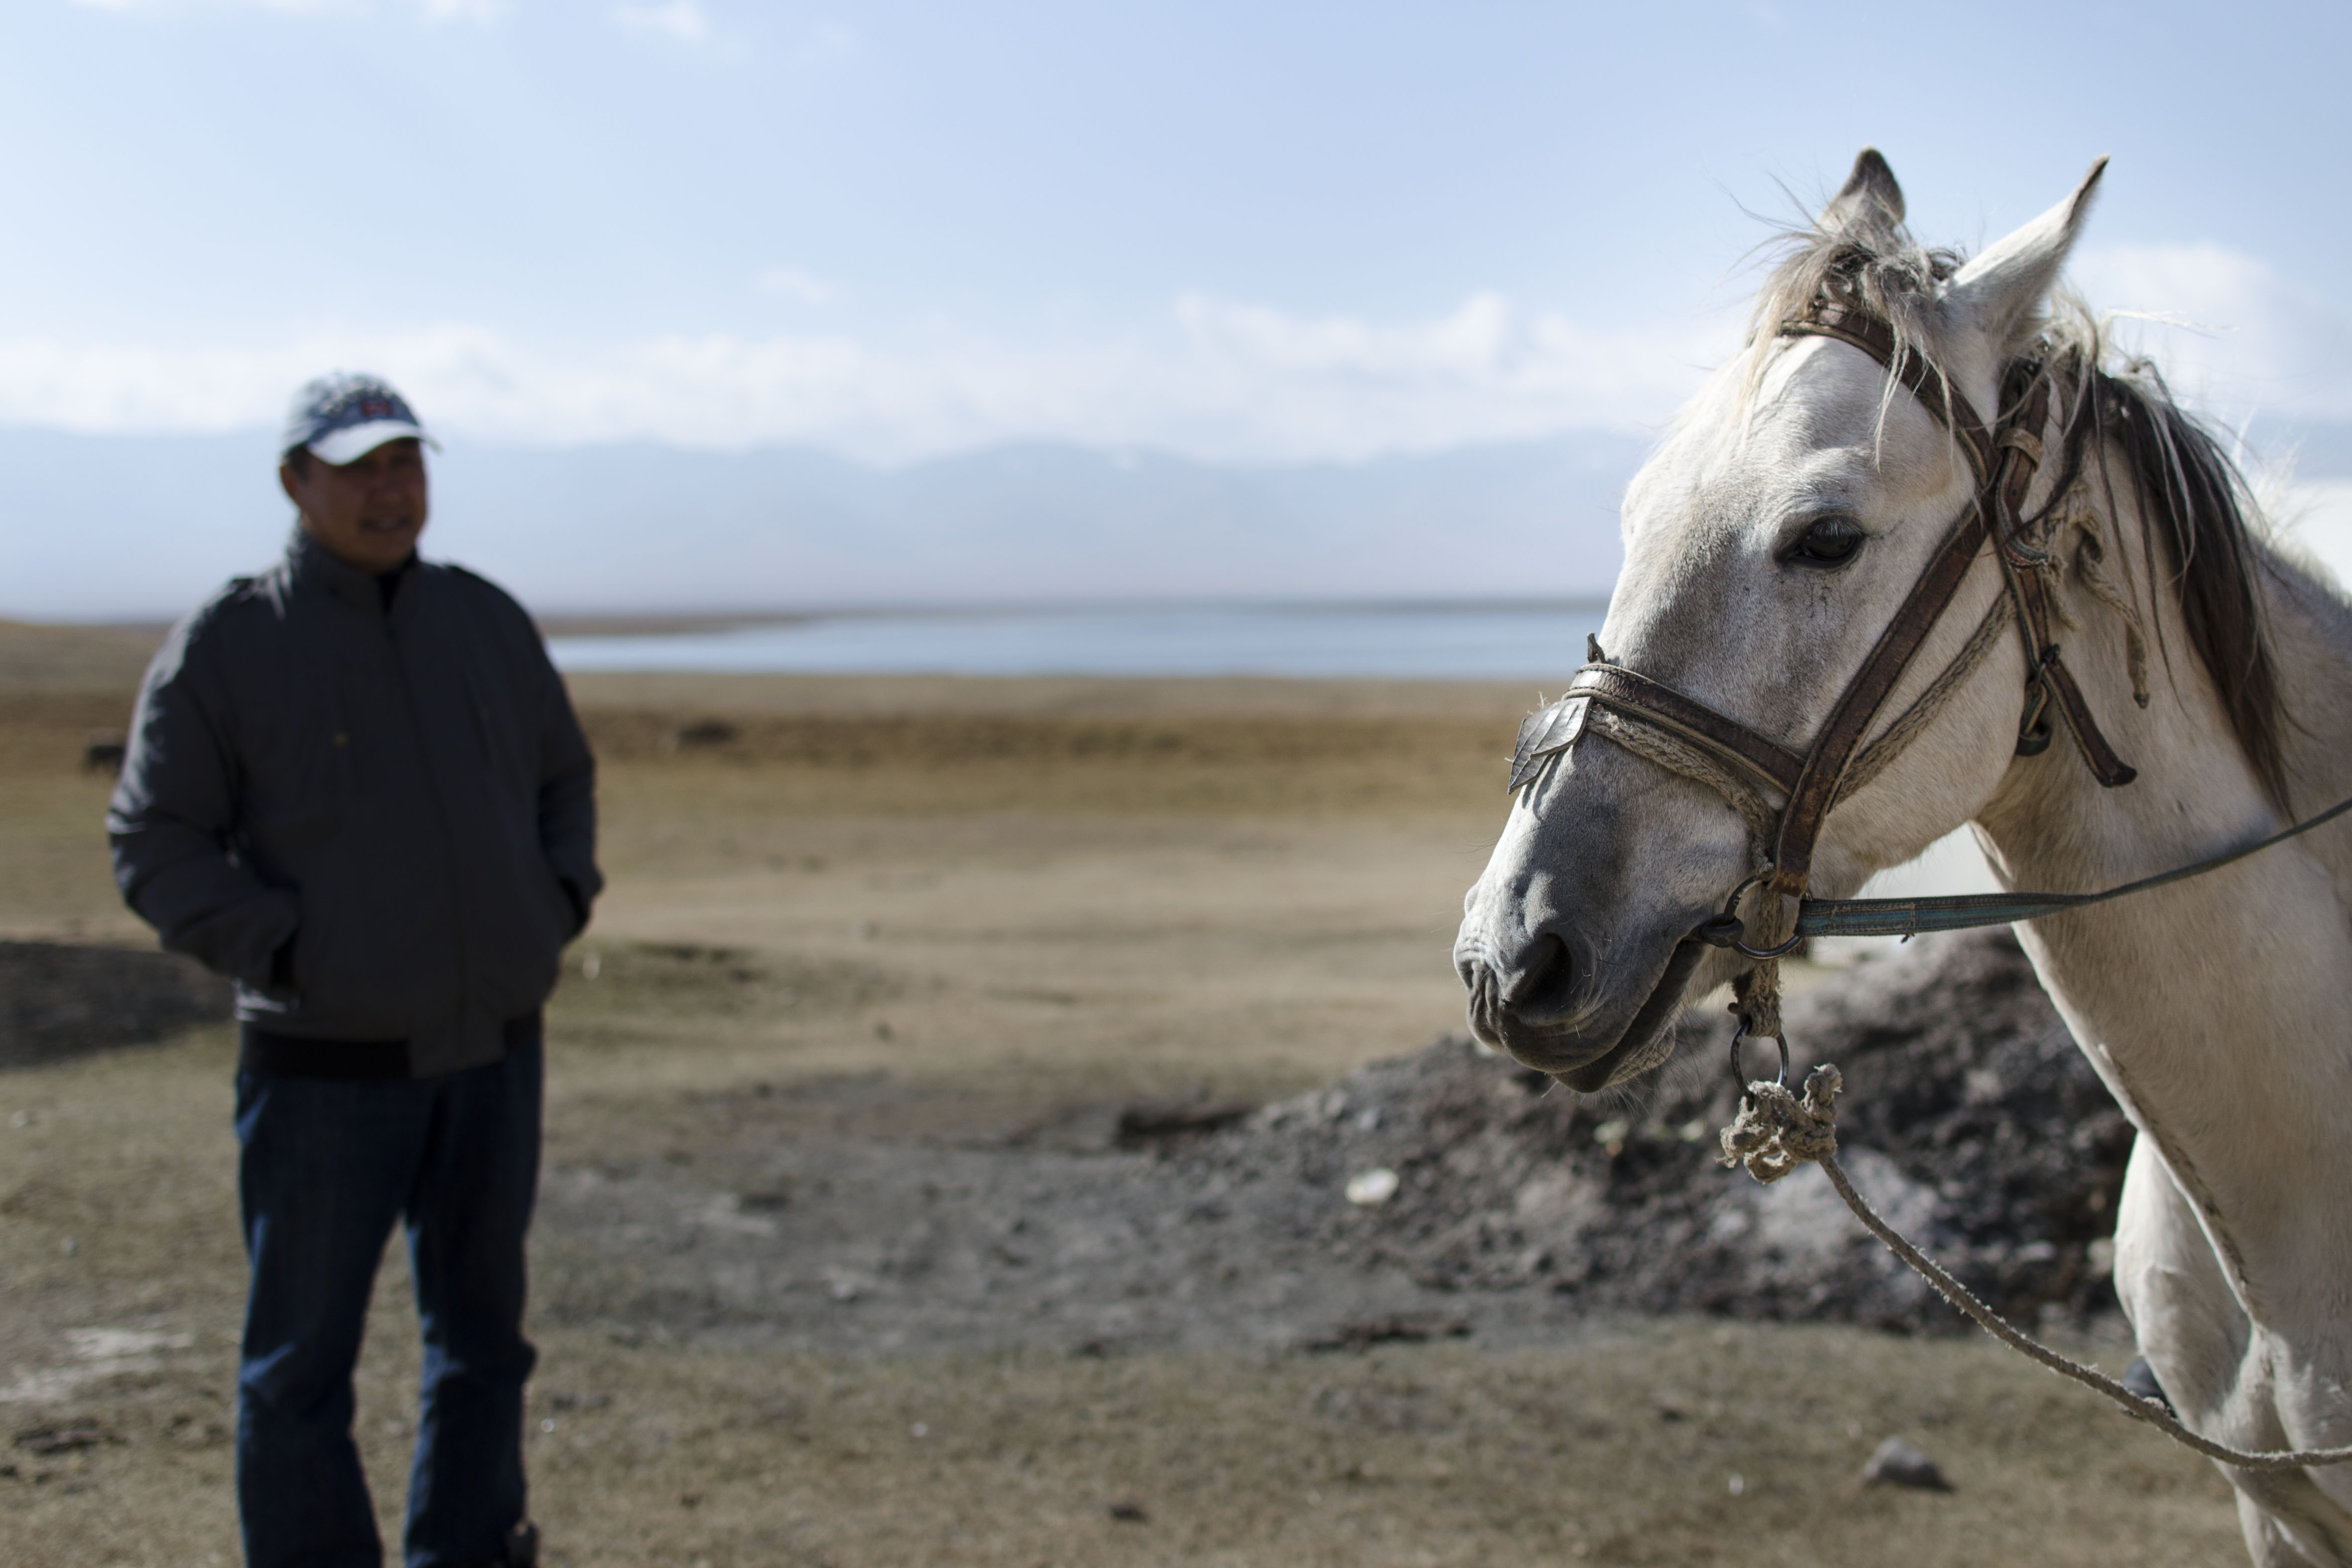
522 1546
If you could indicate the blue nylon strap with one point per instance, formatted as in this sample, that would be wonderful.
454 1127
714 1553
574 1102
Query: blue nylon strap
1968 911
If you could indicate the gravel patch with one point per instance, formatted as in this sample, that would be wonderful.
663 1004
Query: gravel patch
59 1000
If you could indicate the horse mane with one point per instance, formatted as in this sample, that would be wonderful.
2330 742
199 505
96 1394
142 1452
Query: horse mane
2196 510
2194 506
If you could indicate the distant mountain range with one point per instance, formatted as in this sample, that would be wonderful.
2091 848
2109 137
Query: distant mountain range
122 527
115 527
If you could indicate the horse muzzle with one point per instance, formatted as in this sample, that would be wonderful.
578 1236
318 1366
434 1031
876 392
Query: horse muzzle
1535 1006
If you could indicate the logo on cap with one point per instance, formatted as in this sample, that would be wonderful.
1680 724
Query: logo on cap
344 417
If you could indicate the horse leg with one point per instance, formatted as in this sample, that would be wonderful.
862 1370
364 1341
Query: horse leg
2217 1369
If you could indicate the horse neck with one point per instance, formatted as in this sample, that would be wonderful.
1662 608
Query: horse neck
2213 1008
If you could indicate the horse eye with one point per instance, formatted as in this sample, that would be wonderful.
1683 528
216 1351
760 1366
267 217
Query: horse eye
1830 542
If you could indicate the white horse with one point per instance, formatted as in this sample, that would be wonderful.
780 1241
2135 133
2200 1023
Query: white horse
1768 542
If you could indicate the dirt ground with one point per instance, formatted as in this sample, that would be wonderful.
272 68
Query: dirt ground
860 926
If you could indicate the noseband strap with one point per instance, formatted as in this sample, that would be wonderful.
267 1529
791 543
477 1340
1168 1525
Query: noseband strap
2003 462
1628 692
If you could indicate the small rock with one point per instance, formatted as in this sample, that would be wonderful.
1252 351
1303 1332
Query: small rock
1149 1122
701 736
64 1438
1402 1327
1129 1513
1896 1463
1369 1189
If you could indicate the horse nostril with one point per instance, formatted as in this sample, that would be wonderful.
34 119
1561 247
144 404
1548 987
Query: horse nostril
1540 988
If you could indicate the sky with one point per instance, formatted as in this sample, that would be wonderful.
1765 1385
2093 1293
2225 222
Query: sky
1240 234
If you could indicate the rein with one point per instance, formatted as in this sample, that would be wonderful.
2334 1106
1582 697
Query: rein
1907 918
1775 1131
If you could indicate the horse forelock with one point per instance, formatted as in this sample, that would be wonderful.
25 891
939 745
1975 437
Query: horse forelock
1858 254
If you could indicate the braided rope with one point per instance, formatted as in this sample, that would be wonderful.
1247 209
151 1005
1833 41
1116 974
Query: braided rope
1775 1132
1880 753
2088 555
1655 743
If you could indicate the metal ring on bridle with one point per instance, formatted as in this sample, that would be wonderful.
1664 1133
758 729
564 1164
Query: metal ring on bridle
1726 930
1739 1078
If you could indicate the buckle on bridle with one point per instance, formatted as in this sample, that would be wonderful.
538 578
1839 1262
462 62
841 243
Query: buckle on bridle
2033 727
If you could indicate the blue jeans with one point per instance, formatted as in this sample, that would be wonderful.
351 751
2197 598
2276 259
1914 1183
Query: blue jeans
328 1165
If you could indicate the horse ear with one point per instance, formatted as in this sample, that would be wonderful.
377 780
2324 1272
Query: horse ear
1872 184
1999 291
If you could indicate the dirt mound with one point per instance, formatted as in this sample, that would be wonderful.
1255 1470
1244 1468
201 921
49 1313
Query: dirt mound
60 1000
1970 1120
855 1214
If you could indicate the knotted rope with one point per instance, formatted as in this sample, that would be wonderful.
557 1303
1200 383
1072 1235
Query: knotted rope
1776 1131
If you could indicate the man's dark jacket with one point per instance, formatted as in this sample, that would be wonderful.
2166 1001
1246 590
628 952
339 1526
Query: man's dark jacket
381 823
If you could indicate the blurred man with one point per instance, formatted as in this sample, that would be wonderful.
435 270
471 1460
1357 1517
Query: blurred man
355 786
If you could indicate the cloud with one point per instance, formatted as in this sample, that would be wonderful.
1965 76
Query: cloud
793 283
684 20
285 7
2316 520
1208 376
825 44
1217 380
2232 335
481 12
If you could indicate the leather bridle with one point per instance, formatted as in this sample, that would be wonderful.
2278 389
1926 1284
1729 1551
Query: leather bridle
1655 720
2004 460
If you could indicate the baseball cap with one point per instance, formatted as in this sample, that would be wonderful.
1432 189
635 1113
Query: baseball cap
344 417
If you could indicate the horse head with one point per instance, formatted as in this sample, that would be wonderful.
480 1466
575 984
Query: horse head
1769 542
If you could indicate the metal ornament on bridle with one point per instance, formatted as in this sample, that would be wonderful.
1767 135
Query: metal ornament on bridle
1545 734
1550 730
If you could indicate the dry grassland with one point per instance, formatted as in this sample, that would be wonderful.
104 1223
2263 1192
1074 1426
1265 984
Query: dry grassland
1014 900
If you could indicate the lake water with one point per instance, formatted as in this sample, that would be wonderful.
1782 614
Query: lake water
1541 642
